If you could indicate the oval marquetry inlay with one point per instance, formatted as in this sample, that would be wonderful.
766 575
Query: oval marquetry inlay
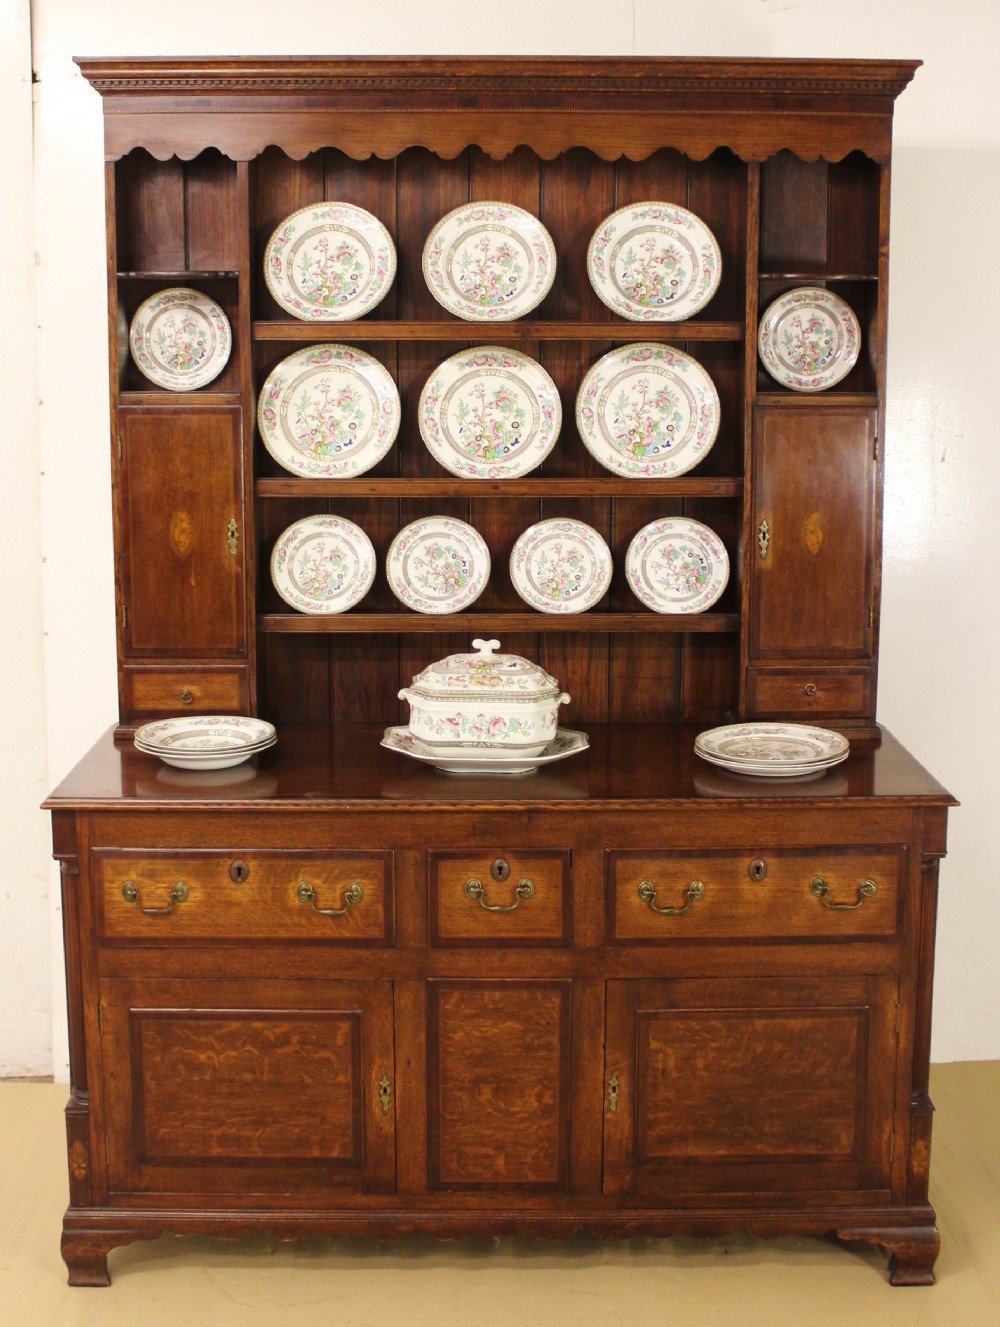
813 533
181 533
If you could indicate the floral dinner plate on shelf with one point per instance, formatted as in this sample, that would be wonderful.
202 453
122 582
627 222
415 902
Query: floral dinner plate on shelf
180 339
560 566
489 262
323 564
328 412
763 747
329 262
489 413
567 742
647 411
438 564
809 339
676 565
654 262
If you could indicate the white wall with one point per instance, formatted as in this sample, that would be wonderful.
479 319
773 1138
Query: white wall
941 621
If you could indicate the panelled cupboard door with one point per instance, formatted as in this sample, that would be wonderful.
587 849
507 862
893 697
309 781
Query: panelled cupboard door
812 554
229 1087
182 562
749 1086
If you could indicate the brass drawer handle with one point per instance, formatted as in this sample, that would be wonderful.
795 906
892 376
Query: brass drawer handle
353 894
866 889
474 890
694 894
179 894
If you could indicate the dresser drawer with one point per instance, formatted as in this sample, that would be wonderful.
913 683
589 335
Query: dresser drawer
831 693
184 690
331 897
492 897
836 893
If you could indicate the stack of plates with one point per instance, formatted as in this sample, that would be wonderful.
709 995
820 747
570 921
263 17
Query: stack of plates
205 741
772 750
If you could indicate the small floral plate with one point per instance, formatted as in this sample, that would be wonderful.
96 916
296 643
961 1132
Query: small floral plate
180 339
438 565
567 742
561 566
328 412
676 565
809 339
647 411
766 748
489 262
205 741
654 262
323 564
330 262
489 413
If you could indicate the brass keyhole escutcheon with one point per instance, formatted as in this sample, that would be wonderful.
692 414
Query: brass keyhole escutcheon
239 871
757 870
500 869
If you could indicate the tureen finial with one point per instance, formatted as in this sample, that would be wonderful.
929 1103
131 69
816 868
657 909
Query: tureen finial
486 647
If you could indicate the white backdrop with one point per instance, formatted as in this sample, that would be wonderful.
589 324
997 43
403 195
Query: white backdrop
941 622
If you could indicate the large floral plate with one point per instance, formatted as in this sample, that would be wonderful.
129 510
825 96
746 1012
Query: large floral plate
647 411
438 564
809 339
676 565
180 339
489 262
205 742
489 413
765 746
654 262
560 566
329 262
323 564
328 412
567 742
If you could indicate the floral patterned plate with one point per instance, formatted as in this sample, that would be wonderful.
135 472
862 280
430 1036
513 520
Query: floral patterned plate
438 565
206 741
647 411
323 564
489 262
676 565
489 413
766 748
654 262
329 262
561 566
328 412
180 339
809 339
567 742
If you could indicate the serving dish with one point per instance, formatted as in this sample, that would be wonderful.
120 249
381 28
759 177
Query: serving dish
489 262
180 339
560 565
329 262
677 565
654 262
323 564
567 742
438 564
809 339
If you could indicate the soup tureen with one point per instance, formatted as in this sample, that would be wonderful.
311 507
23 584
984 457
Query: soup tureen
485 700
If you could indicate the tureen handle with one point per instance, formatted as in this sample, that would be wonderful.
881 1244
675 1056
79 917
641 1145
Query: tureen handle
486 647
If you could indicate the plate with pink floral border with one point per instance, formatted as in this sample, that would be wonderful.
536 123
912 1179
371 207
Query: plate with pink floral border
489 413
180 339
654 262
560 566
647 411
676 565
438 564
329 262
489 262
809 339
323 564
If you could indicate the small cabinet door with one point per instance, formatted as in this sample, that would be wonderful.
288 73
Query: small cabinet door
182 568
813 555
236 1087
749 1086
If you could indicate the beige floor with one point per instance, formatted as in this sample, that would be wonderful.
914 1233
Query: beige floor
510 1283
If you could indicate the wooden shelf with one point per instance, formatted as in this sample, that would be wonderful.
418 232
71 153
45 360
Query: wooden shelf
839 400
817 276
372 330
496 623
199 275
612 487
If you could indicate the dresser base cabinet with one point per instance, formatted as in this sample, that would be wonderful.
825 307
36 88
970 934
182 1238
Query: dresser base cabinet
289 1013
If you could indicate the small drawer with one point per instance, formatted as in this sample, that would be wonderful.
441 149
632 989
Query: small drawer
844 693
500 897
179 690
832 893
335 897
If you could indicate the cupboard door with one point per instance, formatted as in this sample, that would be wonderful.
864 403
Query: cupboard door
240 1088
813 559
183 563
749 1086
498 1069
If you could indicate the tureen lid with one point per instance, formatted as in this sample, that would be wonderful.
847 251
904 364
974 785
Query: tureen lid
486 673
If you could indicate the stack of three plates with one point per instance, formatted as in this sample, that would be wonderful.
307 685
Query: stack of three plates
207 741
772 750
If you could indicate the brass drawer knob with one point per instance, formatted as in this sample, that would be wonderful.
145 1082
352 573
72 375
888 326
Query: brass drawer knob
179 894
694 893
820 888
187 696
353 894
474 891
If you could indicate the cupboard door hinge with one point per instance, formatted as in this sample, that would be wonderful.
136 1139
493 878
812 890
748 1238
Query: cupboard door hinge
119 441
871 617
107 1151
892 1148
100 1020
876 447
125 617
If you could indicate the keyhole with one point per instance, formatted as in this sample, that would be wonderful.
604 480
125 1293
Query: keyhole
239 871
757 870
500 870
